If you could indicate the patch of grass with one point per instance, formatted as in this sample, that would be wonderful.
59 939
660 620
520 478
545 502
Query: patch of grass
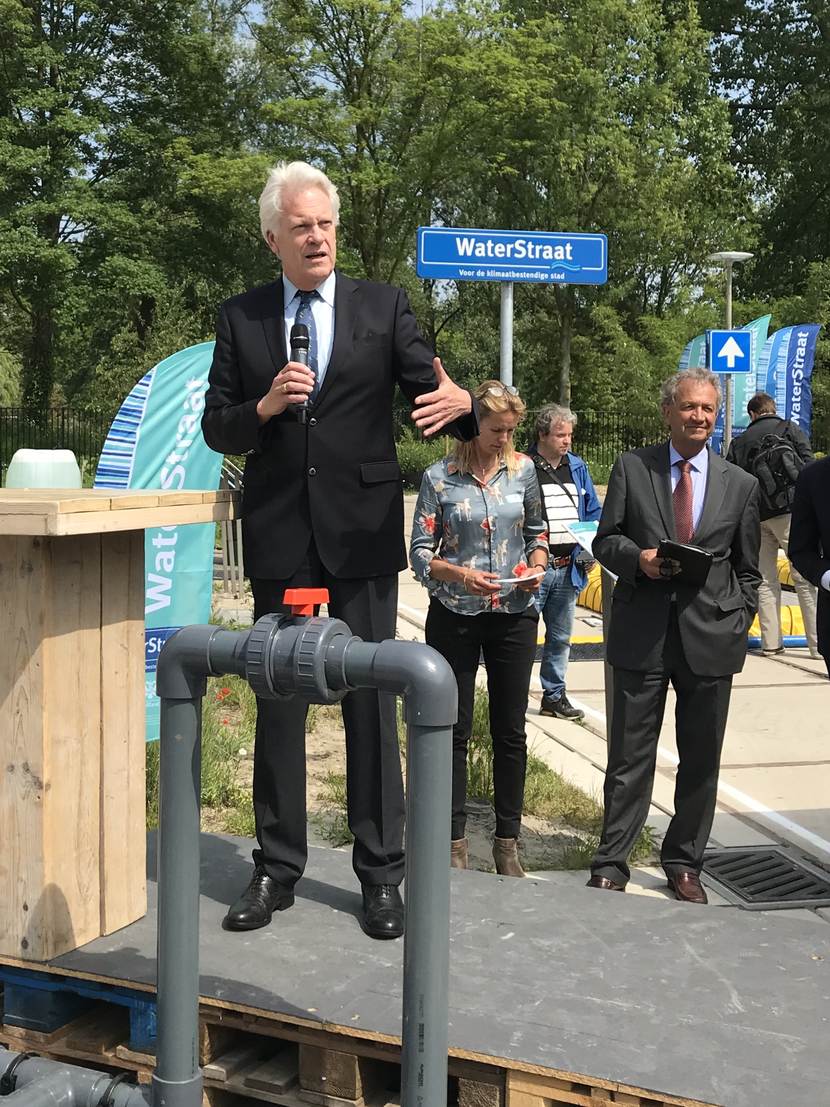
548 795
151 758
331 820
240 819
228 730
480 751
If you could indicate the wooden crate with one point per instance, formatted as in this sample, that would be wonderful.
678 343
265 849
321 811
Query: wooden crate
72 795
72 863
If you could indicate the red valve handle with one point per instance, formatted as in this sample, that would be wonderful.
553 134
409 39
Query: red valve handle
302 601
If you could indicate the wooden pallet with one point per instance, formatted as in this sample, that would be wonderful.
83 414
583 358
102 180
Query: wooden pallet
249 1056
537 1090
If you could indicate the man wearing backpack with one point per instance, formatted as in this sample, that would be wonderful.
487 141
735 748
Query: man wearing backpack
774 451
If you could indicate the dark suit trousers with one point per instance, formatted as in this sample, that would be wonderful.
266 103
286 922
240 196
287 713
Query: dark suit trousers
700 720
374 788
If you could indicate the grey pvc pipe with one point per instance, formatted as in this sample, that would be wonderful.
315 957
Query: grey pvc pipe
44 1083
177 1080
426 680
427 683
426 955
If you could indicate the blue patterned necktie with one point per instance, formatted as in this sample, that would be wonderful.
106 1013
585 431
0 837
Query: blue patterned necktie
305 316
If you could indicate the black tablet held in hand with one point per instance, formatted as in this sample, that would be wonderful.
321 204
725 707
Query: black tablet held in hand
694 562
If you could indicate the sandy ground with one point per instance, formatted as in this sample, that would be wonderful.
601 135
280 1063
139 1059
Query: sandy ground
543 843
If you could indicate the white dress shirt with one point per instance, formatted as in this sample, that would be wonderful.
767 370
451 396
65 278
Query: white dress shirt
698 472
322 308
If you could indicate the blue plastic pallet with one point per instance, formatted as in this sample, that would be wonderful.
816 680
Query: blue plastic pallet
45 1002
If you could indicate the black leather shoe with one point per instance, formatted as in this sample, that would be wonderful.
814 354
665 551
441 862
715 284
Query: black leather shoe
382 911
258 902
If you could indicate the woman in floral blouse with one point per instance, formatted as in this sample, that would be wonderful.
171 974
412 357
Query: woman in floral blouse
479 545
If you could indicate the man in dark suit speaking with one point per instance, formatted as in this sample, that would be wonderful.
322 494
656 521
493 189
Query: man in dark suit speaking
809 546
323 507
663 630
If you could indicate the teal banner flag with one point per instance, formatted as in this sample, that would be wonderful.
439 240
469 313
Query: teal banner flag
155 441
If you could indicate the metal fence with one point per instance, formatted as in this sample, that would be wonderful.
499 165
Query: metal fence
599 436
58 428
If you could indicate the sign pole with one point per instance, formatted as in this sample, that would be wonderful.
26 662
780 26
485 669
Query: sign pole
506 337
727 400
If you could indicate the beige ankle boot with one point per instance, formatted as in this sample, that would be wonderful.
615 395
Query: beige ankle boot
506 856
458 853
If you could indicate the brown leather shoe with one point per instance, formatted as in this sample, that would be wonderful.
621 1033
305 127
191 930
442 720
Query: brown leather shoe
458 853
506 857
687 887
603 882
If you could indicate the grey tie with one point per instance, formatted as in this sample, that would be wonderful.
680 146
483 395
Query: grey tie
306 317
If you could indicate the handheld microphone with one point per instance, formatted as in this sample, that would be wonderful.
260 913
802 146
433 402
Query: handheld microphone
299 353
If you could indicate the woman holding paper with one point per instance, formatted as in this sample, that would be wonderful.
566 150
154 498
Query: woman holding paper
479 545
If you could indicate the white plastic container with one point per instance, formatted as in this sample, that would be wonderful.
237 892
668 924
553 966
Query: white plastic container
43 469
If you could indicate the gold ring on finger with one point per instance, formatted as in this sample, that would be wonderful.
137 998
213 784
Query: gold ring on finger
285 386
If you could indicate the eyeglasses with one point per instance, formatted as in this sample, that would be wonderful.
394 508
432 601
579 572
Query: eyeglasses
501 389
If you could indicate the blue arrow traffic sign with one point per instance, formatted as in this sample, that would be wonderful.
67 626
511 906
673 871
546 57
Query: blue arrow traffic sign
730 351
464 254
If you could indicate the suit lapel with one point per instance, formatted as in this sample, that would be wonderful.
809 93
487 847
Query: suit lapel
273 322
345 290
659 471
716 481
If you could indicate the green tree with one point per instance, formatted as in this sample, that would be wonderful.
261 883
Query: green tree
602 123
125 174
771 61
369 93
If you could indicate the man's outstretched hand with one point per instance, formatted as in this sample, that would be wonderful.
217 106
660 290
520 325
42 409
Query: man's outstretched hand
435 409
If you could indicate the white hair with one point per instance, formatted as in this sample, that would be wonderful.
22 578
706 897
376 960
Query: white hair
695 375
292 177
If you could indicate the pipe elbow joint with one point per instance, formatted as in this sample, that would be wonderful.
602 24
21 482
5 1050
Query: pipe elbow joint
424 677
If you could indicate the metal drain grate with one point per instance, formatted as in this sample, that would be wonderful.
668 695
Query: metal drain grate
758 878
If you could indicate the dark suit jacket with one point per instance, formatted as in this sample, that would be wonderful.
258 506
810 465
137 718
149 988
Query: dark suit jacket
809 546
713 619
338 476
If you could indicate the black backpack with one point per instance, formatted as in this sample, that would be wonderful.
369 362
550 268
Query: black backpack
775 463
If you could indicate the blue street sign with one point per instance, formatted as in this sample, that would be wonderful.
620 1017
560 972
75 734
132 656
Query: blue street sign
463 254
730 351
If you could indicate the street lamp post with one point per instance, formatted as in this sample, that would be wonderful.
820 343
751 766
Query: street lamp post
728 258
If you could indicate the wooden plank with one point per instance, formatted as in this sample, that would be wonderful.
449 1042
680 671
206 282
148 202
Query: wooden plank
320 1099
474 1093
276 1075
122 847
97 1033
334 1073
21 748
214 1039
526 1089
136 1059
90 510
143 518
72 759
245 1055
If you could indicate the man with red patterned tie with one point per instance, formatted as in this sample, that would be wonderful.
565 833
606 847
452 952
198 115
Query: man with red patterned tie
665 631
